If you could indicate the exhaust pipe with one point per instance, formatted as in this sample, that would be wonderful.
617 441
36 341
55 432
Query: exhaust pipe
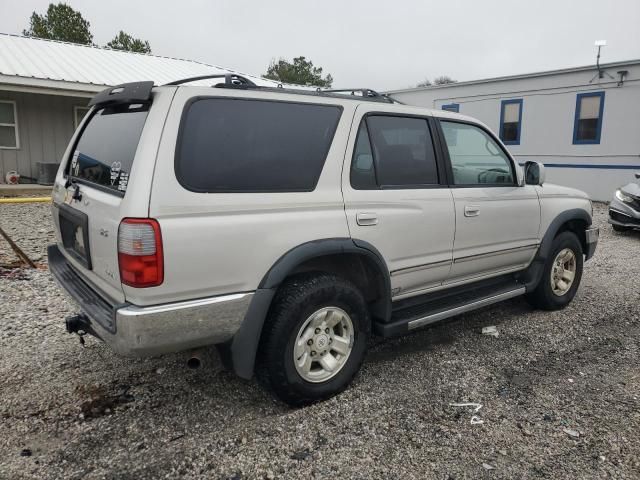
194 361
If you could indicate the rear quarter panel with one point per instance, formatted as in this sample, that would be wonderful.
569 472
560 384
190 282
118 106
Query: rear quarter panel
220 243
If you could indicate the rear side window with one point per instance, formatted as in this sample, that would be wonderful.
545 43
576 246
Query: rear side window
393 152
231 145
104 154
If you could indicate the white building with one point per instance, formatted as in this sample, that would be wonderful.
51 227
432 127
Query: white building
584 125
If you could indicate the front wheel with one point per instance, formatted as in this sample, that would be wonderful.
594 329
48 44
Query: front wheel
562 274
315 338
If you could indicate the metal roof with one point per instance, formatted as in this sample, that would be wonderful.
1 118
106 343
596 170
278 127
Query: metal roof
33 62
583 68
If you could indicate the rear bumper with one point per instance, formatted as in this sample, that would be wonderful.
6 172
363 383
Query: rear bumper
591 236
153 330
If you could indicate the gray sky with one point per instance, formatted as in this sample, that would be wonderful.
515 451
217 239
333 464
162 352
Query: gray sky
380 45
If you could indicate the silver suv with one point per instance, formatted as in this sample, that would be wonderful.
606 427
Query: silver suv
287 226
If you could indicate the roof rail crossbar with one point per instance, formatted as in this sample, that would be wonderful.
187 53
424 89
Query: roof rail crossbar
366 92
232 80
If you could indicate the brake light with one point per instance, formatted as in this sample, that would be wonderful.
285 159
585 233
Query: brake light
140 252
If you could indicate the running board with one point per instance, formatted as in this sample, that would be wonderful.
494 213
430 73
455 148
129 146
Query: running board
404 324
483 302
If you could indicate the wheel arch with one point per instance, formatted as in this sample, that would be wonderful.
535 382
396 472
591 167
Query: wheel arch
574 220
356 260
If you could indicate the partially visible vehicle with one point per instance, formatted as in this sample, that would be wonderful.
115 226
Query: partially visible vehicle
624 209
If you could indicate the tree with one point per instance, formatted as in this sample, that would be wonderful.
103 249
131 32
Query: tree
61 22
425 83
443 80
124 41
300 72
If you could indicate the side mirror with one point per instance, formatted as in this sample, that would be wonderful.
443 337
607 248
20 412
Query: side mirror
534 173
638 175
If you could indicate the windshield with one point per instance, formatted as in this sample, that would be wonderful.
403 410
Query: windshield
107 146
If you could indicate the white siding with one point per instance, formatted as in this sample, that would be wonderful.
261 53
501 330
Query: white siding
45 125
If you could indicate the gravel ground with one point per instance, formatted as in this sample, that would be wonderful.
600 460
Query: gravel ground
559 393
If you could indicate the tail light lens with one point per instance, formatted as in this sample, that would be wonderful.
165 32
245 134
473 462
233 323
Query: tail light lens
140 252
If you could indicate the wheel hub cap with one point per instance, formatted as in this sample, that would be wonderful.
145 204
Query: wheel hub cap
322 341
563 272
323 344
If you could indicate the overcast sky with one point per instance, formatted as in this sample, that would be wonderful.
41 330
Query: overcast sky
375 44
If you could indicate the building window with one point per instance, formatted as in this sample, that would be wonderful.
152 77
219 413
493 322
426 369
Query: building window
452 107
78 115
8 125
588 120
511 121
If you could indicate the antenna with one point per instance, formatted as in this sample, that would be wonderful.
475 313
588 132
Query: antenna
601 73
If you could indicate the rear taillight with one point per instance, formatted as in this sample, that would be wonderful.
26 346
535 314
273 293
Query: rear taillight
140 252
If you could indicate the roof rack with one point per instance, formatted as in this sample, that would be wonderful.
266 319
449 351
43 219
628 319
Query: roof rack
366 93
231 80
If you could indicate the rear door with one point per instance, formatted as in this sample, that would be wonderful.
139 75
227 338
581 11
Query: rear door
497 220
105 176
396 198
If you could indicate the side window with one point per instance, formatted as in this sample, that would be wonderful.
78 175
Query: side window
229 145
511 121
397 152
476 159
588 119
363 174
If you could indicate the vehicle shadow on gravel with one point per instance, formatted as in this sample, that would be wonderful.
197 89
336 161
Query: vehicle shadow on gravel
445 332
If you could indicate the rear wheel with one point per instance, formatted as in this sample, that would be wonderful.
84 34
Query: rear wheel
562 274
315 338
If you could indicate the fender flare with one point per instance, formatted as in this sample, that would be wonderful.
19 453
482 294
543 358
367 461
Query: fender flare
239 354
532 275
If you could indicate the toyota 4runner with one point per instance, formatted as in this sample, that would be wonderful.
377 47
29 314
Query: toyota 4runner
287 226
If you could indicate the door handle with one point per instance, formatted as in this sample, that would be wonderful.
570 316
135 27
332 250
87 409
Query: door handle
366 219
471 210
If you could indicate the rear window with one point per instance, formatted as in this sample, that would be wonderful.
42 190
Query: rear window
104 154
232 145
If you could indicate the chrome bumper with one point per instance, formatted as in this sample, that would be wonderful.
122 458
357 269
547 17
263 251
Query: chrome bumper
153 330
177 326
591 236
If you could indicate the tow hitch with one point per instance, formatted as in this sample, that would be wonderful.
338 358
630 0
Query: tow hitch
77 324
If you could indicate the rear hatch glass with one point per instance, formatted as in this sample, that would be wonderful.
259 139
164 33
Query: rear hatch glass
103 156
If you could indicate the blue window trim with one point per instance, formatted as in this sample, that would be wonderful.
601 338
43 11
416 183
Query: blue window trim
502 105
451 107
576 119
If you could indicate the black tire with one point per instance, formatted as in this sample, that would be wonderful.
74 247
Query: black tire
619 228
295 301
543 296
